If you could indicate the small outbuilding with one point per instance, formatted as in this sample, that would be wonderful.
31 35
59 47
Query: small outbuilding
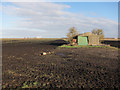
86 39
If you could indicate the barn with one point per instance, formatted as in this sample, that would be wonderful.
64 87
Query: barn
86 39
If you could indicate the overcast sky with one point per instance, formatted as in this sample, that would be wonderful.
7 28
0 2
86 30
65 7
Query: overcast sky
53 20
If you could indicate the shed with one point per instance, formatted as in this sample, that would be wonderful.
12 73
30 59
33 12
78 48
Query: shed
86 39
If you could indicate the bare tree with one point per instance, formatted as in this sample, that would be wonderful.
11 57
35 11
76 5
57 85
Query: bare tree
98 32
94 31
71 34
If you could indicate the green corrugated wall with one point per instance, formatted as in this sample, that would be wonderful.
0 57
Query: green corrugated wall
82 40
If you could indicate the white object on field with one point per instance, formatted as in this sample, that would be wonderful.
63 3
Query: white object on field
44 53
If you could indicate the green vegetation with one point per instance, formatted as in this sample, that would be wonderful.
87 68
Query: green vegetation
87 46
35 83
25 85
30 85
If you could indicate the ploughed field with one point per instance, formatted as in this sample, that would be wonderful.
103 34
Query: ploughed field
112 43
24 67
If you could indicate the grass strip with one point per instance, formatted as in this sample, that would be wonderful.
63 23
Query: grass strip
87 46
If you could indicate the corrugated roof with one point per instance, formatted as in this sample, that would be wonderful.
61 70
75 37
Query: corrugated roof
87 34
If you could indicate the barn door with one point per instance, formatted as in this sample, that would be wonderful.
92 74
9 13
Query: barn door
82 40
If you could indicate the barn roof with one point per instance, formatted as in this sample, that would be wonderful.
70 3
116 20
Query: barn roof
87 34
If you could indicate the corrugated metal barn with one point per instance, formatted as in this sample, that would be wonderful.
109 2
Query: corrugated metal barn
86 39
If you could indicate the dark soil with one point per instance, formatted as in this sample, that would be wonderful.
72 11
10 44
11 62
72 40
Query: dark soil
112 43
23 66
